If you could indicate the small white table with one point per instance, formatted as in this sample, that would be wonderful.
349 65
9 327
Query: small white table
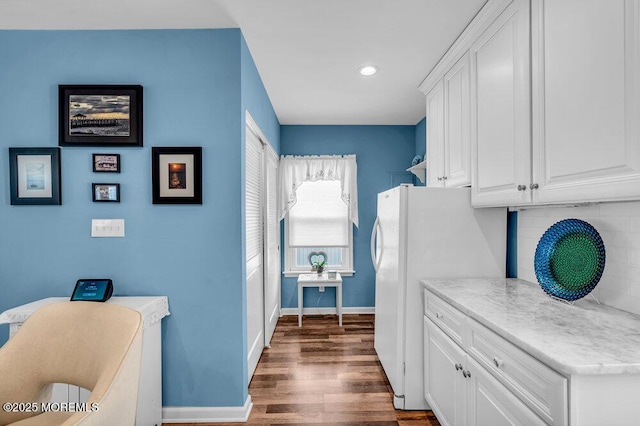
320 281
153 309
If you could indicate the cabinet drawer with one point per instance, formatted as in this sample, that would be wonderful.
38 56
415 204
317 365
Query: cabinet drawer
540 387
448 318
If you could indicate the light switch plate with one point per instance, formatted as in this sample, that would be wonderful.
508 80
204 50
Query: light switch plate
101 228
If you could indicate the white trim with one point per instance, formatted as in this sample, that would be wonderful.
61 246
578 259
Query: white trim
328 311
207 414
249 121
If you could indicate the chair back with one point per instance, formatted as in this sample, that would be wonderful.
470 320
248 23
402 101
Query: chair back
79 343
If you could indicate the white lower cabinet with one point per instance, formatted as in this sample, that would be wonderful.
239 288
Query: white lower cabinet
461 392
474 377
491 403
500 352
444 383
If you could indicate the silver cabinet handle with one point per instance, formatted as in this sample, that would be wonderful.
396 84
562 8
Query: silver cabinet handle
466 374
439 178
533 186
444 178
522 187
439 315
458 367
498 362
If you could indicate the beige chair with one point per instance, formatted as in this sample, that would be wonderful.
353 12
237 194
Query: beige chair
96 346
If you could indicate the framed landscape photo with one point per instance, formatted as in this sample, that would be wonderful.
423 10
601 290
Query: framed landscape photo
177 175
34 176
100 115
107 192
106 163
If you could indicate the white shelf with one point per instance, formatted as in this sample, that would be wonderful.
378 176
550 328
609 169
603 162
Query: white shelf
419 170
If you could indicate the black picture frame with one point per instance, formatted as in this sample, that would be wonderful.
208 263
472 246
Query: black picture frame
34 176
105 192
100 115
106 163
176 174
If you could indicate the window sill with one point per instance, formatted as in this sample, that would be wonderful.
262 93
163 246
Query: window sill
297 273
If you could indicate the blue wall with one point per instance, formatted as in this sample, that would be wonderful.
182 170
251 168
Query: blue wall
383 153
512 245
421 144
421 138
196 86
256 100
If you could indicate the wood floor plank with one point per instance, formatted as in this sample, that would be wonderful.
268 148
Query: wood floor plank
324 374
275 397
370 398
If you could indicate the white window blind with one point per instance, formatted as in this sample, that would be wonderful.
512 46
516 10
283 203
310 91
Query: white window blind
320 217
253 215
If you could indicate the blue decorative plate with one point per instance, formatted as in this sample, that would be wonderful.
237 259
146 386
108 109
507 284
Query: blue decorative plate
569 259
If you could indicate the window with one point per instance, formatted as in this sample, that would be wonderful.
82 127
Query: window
318 222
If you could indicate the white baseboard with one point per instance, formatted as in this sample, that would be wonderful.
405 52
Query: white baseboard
207 414
327 311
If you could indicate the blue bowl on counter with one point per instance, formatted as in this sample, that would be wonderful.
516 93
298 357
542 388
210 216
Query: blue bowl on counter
569 259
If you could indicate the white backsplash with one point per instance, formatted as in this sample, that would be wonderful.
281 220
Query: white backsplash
619 226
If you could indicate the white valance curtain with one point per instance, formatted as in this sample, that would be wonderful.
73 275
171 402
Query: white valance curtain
295 170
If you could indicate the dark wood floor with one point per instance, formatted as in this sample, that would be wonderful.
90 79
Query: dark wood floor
325 374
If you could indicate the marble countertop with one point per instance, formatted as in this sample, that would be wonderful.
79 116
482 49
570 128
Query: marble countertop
583 338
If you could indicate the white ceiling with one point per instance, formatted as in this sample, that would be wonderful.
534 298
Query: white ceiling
307 51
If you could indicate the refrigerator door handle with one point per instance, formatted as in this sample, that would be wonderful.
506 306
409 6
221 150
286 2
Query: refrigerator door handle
376 232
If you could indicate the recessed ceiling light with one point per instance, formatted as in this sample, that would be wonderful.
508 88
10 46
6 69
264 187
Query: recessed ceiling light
368 70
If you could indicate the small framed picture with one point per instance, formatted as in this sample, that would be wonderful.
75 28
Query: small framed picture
107 192
35 176
100 115
106 163
177 175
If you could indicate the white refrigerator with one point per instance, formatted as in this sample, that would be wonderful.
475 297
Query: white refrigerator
421 233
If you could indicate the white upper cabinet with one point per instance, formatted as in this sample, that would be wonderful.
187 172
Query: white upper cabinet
586 97
435 136
500 110
457 117
554 104
448 130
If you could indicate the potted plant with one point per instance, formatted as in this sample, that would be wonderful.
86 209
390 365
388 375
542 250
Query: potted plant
318 265
318 260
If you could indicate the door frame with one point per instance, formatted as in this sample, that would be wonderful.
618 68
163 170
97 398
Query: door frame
268 313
